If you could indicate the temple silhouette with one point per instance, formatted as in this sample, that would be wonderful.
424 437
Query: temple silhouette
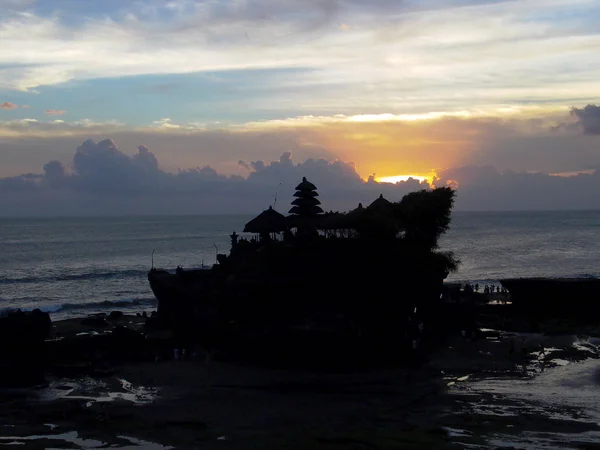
315 286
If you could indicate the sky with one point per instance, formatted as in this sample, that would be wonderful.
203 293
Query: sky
150 106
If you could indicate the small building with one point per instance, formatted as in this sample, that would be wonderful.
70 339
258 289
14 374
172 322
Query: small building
267 224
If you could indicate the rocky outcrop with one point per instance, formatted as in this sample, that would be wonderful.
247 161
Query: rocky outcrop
23 347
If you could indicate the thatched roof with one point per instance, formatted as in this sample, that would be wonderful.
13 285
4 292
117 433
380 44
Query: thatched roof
268 221
308 201
306 210
306 185
380 203
306 194
351 217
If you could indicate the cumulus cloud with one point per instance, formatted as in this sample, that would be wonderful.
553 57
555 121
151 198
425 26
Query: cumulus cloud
386 144
8 105
55 112
29 183
336 175
106 177
145 158
588 119
55 174
101 179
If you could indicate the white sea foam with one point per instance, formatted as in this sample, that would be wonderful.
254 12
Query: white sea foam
568 391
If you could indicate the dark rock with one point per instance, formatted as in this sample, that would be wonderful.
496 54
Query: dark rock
88 353
153 323
128 344
115 315
23 350
94 321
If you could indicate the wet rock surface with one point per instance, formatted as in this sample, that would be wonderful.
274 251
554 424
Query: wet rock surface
471 393
547 400
191 404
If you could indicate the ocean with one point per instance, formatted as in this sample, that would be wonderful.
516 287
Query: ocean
77 266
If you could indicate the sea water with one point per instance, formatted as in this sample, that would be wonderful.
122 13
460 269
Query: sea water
560 405
496 245
75 266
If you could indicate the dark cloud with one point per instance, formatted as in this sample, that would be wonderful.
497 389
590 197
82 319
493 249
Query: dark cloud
21 183
145 158
521 143
588 119
492 163
55 174
334 174
485 188
244 164
104 180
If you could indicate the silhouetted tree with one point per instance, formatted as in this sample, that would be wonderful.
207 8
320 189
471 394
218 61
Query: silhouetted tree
425 215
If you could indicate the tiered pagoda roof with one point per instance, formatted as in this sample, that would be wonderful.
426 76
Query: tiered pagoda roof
306 203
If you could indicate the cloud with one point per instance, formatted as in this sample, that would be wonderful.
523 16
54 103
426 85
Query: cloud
387 145
55 112
588 119
55 174
145 158
485 188
15 5
101 179
8 105
336 175
116 183
27 183
395 56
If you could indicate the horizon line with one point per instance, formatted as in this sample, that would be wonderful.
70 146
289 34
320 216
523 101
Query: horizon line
159 215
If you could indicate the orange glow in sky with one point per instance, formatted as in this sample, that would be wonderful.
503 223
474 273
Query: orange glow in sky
398 178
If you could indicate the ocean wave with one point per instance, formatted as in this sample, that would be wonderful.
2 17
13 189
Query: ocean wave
105 304
483 281
76 277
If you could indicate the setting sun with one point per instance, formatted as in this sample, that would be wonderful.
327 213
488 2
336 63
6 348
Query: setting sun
399 178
